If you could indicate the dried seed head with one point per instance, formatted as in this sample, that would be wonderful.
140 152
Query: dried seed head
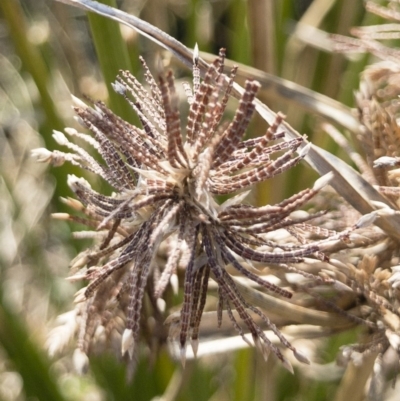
163 216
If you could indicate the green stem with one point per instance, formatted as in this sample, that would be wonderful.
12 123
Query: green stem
30 57
35 65
30 363
113 56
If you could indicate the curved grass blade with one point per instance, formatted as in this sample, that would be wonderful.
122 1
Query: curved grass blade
144 28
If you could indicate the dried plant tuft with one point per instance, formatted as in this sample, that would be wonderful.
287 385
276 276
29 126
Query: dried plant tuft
164 221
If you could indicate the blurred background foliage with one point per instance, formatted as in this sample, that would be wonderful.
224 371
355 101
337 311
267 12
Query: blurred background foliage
49 50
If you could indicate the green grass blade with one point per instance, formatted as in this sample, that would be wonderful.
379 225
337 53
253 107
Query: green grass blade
31 58
30 363
113 56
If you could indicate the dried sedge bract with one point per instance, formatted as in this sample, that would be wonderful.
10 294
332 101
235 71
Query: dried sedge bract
373 273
